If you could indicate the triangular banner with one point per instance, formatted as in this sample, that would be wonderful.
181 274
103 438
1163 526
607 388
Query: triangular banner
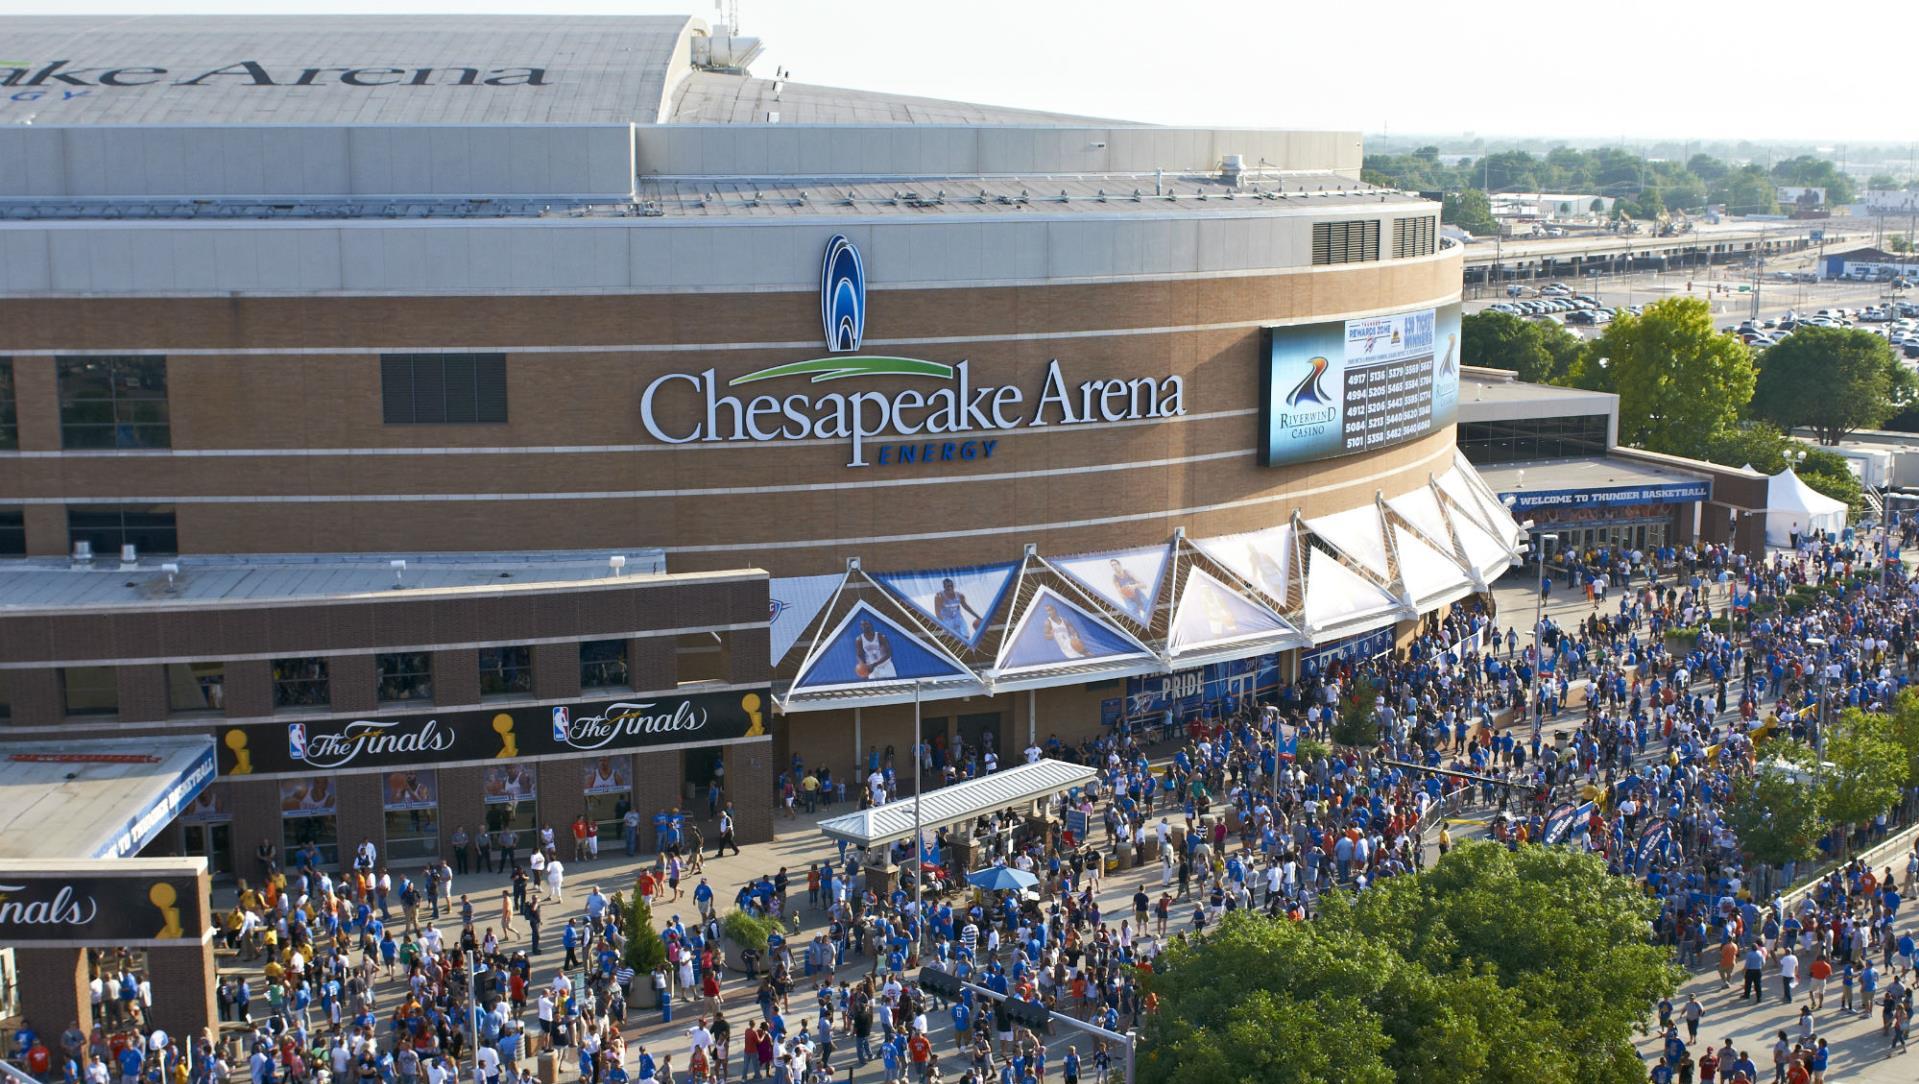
1356 533
1127 579
958 600
1211 614
1425 571
1261 558
1053 631
866 649
793 603
1336 595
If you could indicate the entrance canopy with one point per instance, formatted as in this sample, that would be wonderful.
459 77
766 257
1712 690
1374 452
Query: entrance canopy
959 803
96 799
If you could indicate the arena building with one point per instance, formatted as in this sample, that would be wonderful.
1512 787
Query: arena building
379 389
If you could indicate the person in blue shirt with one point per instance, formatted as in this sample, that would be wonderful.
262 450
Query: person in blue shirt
130 1060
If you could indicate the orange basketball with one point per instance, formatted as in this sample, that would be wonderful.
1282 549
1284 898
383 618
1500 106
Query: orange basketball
862 670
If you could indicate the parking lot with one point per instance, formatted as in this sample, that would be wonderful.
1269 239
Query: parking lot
1731 290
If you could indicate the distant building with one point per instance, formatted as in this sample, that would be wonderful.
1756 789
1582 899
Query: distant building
1868 263
1551 206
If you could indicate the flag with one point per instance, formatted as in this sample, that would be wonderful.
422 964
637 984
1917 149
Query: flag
1655 840
1557 823
1288 741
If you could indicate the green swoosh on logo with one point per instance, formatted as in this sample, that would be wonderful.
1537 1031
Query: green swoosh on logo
824 369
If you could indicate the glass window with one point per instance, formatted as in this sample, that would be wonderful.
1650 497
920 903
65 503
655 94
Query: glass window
300 683
6 697
13 532
114 402
108 527
405 675
196 686
603 664
91 690
506 671
9 416
443 389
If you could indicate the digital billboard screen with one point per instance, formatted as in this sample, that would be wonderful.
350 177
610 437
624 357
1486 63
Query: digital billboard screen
1348 386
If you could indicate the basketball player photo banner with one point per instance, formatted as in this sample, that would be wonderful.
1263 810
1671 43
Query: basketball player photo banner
959 600
867 649
1210 614
1261 558
1053 631
1129 580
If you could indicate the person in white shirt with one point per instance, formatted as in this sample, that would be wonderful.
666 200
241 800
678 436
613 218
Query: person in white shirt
1033 753
556 879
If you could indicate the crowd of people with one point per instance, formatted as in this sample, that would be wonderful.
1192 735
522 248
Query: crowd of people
1626 732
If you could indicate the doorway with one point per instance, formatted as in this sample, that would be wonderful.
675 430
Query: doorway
213 842
981 732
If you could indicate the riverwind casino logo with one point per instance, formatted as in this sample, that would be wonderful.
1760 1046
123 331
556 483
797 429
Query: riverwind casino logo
948 423
1309 390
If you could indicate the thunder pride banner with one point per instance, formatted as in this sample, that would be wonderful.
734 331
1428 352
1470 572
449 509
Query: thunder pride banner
481 735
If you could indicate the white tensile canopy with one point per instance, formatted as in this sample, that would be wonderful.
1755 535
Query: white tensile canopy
1793 507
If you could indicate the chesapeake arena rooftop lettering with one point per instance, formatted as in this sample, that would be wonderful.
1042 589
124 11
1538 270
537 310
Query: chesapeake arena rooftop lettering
67 79
688 408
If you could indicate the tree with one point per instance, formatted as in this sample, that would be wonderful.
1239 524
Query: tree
1776 817
1540 352
1828 473
1760 445
643 953
1902 726
1879 182
1747 191
1869 767
1706 168
1470 210
1813 172
1831 380
1492 965
1681 385
1354 724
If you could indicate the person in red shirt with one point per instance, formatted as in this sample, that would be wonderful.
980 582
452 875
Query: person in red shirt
920 1049
1819 972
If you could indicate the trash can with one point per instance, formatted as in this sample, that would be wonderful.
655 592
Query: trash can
547 1068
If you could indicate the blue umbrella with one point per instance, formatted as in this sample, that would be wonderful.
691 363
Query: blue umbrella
1002 879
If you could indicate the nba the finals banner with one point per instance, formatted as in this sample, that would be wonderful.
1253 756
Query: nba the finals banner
481 735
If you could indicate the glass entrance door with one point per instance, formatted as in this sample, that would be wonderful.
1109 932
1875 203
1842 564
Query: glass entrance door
214 842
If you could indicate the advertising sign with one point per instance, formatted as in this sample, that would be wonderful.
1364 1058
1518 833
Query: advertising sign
482 735
958 600
1129 580
52 908
1261 558
1055 632
504 784
1673 493
1345 387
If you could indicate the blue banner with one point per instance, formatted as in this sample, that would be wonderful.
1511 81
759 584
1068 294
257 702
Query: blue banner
867 649
1199 690
1675 492
1351 649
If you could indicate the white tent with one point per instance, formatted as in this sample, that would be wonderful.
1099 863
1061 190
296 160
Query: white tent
1793 507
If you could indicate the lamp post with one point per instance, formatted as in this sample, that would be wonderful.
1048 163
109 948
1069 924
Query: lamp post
1539 618
919 838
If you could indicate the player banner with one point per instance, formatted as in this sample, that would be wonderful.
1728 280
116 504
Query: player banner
868 649
960 601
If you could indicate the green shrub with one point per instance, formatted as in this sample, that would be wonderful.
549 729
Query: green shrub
748 931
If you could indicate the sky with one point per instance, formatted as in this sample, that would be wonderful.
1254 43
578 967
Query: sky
1632 69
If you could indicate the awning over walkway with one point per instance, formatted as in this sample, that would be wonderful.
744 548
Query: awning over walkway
96 799
959 803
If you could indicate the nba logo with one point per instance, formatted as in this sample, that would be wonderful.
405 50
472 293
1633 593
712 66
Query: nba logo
297 741
561 725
